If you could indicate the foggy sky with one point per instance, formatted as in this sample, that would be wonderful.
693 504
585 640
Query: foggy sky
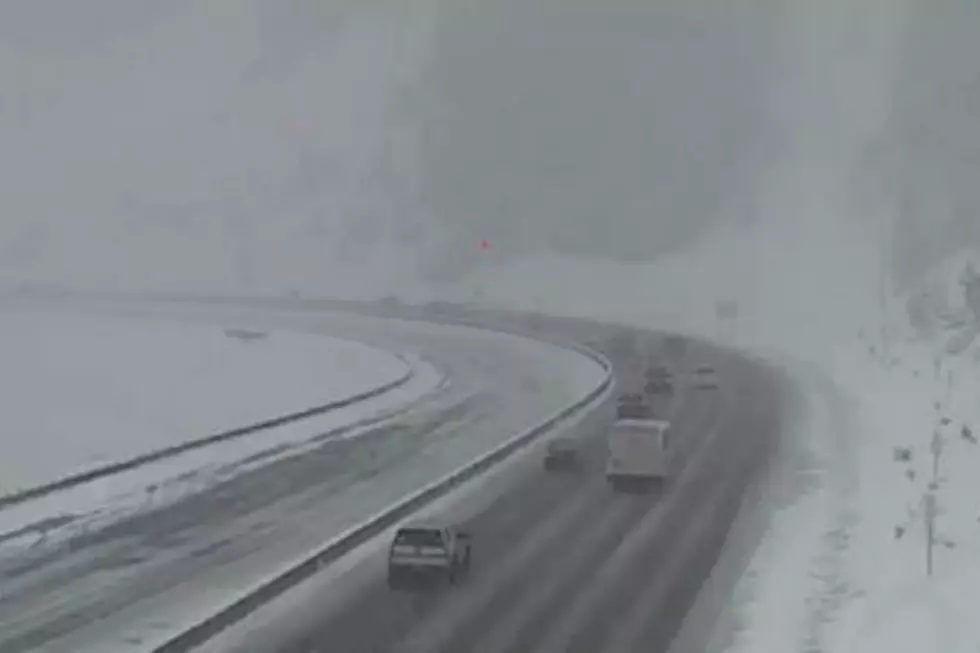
932 142
613 130
264 144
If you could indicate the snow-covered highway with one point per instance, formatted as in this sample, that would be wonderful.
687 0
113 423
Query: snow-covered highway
791 185
562 564
559 559
153 573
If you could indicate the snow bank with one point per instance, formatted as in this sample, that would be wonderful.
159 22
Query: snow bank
899 608
844 566
81 391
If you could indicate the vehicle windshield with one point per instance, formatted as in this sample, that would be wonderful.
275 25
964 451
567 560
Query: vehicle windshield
419 537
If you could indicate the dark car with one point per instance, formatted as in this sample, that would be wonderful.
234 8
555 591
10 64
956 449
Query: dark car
656 372
633 406
659 381
561 454
661 387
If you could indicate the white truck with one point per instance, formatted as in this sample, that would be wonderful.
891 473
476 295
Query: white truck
640 454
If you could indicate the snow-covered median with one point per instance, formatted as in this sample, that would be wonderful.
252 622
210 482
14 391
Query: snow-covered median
77 392
152 484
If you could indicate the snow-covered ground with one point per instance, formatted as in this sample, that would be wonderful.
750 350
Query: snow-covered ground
78 392
855 545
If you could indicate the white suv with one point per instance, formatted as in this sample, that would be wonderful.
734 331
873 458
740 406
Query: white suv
421 554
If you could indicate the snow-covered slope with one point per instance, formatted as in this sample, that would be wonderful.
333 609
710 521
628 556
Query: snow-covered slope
844 564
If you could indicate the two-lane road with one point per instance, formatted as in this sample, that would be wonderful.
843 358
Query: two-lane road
561 563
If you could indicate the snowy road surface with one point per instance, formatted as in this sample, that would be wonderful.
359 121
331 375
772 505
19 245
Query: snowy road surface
149 574
561 563
78 392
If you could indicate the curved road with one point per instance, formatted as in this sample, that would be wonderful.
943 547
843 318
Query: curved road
561 564
107 587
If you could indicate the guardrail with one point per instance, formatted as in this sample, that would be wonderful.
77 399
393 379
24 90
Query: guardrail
354 537
199 443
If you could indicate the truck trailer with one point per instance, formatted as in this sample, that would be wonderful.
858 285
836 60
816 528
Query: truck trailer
640 454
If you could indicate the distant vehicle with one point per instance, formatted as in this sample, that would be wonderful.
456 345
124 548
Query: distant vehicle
655 371
425 554
706 378
633 406
640 454
659 381
561 454
659 387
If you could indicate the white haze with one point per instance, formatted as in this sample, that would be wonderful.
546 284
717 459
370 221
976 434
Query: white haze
350 147
201 144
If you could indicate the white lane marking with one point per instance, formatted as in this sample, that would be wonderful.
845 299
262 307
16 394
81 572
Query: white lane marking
618 563
524 611
437 630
